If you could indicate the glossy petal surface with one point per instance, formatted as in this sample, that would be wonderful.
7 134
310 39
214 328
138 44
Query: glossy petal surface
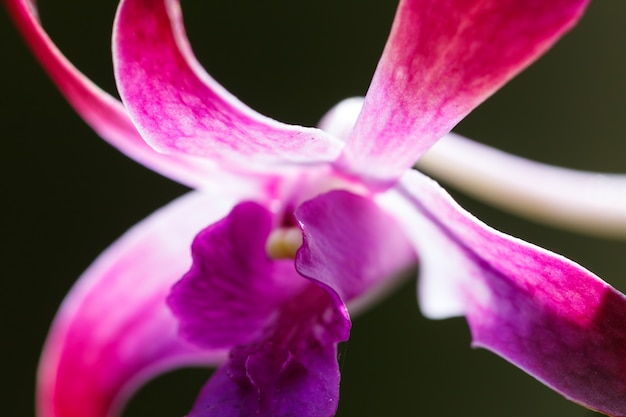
442 59
102 112
542 312
114 330
179 107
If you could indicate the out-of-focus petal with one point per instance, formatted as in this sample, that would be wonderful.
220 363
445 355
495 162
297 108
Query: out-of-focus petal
114 330
102 112
442 59
340 120
233 288
177 106
350 244
291 370
547 315
583 201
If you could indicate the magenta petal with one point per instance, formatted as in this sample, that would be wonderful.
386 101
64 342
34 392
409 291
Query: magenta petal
547 315
233 288
103 113
114 330
350 244
442 59
179 107
291 370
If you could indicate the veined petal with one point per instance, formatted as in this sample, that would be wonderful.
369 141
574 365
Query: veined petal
547 315
114 330
350 244
177 106
102 112
442 59
587 202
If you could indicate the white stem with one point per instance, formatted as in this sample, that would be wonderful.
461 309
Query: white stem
588 202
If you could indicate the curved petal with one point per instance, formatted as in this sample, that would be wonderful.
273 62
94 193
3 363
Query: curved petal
179 107
114 330
442 59
232 289
282 328
587 202
103 113
350 244
291 370
547 315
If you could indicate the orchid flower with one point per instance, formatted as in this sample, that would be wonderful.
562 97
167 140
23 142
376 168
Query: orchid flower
290 228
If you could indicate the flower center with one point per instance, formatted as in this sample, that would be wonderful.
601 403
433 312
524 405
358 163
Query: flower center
283 243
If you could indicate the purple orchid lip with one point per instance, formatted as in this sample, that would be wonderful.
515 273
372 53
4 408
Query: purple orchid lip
272 320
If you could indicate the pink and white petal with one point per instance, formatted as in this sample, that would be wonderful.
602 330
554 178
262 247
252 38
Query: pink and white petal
291 370
232 289
541 311
114 330
350 245
105 114
178 107
442 59
583 201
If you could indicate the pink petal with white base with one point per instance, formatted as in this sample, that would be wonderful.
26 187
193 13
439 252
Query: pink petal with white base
102 112
177 106
114 330
542 312
442 59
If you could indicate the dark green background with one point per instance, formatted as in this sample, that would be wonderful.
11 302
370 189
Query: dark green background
67 195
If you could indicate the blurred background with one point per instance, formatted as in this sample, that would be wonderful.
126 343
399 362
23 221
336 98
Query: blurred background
67 195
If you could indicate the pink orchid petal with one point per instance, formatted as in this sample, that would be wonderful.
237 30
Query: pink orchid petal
103 113
114 330
583 201
442 59
232 288
350 244
177 106
542 312
291 370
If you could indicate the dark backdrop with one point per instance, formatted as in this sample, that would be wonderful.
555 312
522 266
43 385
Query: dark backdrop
67 195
